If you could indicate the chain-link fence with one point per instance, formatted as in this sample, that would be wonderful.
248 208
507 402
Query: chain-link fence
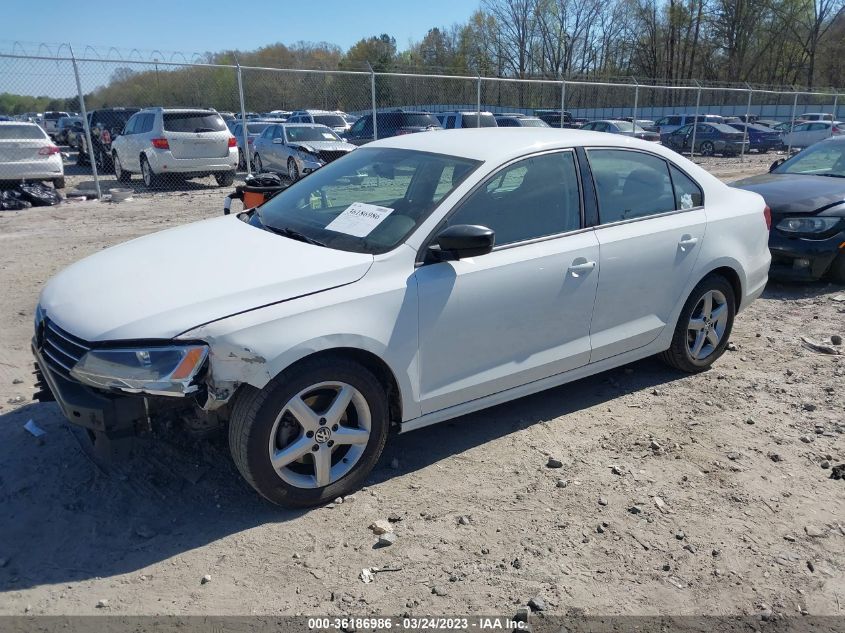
108 124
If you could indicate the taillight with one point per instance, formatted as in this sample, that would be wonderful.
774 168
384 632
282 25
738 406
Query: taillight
836 130
49 150
767 213
233 142
160 143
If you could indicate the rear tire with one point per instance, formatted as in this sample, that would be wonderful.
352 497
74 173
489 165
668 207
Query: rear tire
702 333
122 175
151 179
266 426
58 183
225 179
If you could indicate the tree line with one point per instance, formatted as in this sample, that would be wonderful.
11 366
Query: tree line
759 42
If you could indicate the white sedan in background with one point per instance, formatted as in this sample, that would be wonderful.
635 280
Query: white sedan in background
27 153
805 134
419 278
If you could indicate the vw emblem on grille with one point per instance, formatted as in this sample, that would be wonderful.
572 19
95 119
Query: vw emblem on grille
322 434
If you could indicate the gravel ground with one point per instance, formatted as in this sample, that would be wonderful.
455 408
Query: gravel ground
676 494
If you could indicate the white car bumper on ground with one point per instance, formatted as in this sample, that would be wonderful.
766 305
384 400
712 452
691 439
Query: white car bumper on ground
163 162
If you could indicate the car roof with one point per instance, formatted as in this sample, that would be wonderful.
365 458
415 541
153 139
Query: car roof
503 144
315 125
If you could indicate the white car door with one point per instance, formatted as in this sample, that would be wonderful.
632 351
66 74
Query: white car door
651 227
521 312
122 145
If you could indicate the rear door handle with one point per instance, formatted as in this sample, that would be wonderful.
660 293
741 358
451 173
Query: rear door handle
686 240
581 267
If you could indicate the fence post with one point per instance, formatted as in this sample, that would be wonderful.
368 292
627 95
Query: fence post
244 130
82 109
792 125
478 102
562 102
636 103
835 107
745 127
373 99
695 120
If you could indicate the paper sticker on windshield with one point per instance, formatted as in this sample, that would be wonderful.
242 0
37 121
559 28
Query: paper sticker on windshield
686 202
359 219
328 135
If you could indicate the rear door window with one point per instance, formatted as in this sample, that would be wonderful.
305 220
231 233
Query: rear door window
630 184
688 195
193 122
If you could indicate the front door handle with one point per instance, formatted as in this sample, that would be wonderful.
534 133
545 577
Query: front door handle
581 266
688 240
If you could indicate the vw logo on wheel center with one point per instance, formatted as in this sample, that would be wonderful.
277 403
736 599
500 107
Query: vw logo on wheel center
322 434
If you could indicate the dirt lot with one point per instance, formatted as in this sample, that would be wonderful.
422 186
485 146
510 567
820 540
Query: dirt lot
677 495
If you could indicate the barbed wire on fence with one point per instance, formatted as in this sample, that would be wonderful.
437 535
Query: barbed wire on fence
73 80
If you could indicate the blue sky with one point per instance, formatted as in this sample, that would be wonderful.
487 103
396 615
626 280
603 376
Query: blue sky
211 25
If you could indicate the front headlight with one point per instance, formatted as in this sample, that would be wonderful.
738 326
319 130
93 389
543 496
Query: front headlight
167 371
808 225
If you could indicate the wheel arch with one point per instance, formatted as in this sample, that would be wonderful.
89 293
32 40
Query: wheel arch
380 369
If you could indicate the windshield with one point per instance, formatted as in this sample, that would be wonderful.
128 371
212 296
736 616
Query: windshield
21 132
822 159
368 201
193 122
471 120
300 134
529 122
112 119
627 126
331 120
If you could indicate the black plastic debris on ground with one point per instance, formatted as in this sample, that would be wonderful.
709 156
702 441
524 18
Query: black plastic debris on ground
26 195
838 472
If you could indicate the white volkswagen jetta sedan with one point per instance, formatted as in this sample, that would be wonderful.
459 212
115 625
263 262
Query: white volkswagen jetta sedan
417 279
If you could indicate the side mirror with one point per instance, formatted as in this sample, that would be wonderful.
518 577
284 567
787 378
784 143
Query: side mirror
776 164
277 141
463 240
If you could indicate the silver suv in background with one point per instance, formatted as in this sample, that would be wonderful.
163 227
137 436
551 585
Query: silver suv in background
188 143
49 121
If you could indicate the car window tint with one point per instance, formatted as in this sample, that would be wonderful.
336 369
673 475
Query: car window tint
630 184
532 198
688 194
132 123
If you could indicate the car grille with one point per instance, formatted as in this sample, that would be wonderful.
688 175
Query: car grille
60 350
328 156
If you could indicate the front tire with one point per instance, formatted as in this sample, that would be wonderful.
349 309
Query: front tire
293 170
707 149
837 269
704 326
312 434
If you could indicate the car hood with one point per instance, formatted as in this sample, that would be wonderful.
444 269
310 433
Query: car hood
320 146
160 285
795 193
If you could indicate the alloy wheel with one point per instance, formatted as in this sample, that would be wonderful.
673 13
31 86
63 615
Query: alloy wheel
293 170
707 324
146 172
320 434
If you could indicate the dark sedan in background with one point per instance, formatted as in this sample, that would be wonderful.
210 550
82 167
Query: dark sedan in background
806 195
760 137
710 139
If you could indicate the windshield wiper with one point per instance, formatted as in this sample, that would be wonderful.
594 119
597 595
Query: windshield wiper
293 234
832 175
203 129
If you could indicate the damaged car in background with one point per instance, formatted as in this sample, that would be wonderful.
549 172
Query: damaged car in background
295 150
364 297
